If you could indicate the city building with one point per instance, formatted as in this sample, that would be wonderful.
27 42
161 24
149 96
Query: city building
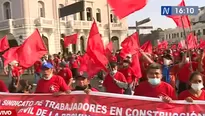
19 18
198 28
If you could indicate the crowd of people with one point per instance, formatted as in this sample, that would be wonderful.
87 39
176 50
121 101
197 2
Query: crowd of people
166 74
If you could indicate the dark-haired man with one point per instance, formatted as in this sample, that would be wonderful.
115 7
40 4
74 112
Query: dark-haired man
154 87
115 82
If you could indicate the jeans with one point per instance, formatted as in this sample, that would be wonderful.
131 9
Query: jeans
37 77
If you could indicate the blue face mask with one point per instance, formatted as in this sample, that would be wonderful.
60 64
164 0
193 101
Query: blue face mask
154 81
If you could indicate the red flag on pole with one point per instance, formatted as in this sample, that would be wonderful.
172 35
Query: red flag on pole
123 8
4 44
191 41
181 21
31 50
10 55
95 47
108 50
71 39
147 47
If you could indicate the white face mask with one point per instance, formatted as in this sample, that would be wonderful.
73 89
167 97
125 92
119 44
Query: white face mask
114 71
154 81
125 64
167 62
187 60
197 87
49 77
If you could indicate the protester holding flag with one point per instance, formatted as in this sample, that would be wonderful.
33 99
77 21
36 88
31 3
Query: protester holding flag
115 82
83 83
195 91
51 83
127 71
154 87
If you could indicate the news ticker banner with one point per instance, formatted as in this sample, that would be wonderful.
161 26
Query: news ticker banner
95 104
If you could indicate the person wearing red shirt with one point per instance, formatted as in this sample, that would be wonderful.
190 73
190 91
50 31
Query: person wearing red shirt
154 87
56 63
3 87
66 73
37 71
115 82
16 73
50 83
83 83
127 71
74 66
195 91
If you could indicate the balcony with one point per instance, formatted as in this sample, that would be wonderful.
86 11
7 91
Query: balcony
6 24
44 22
79 24
116 26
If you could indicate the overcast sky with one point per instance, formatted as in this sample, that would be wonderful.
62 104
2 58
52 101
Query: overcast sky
153 10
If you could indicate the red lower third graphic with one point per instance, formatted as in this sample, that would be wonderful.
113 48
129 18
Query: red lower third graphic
8 112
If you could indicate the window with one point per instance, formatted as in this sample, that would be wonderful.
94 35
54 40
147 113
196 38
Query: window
89 14
177 34
181 34
194 33
169 36
203 31
98 15
41 9
82 16
61 6
7 10
113 18
199 33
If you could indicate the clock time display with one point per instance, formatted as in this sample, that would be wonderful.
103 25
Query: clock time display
179 10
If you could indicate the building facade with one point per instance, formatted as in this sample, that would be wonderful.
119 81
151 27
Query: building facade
19 18
198 28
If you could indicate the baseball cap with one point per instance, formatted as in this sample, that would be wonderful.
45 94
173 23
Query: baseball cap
82 74
63 64
46 65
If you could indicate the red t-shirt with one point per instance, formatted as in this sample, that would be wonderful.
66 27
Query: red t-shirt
37 66
183 95
16 71
163 89
56 61
184 72
111 86
55 84
74 64
128 73
66 74
3 87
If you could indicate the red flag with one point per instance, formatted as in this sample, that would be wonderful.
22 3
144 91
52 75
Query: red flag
181 21
87 63
131 44
109 48
123 8
71 39
10 55
95 47
136 66
182 44
191 41
174 46
31 50
4 44
163 45
201 44
147 47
